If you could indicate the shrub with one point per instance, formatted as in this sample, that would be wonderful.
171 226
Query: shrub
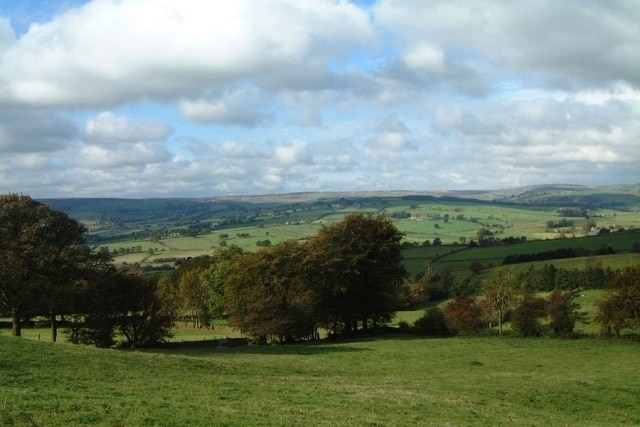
463 315
525 318
433 323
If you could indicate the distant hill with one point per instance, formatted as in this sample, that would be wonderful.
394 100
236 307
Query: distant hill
115 219
133 210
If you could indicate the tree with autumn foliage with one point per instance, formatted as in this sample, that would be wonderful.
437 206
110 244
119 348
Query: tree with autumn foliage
42 257
268 297
620 307
356 267
463 315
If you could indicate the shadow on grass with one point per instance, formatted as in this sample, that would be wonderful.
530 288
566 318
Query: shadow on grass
324 346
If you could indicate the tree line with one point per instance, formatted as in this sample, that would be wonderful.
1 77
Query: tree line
347 278
506 296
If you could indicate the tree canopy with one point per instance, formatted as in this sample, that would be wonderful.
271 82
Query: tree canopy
347 277
356 266
42 254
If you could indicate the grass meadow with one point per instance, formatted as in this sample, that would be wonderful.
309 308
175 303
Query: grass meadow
392 381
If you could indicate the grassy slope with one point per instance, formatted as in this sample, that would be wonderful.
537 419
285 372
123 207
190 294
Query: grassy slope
397 381
458 258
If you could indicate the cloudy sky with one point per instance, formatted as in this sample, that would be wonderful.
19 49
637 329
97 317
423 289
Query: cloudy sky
184 98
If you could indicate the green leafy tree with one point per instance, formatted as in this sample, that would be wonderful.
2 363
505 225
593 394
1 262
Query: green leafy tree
195 297
182 291
216 276
141 315
620 308
120 303
42 252
564 312
525 318
433 323
501 291
268 297
356 266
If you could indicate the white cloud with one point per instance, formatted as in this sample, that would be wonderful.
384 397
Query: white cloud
151 98
105 53
426 58
245 107
108 127
122 155
564 43
7 37
291 154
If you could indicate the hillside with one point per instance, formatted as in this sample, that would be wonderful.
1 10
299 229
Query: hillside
400 380
155 231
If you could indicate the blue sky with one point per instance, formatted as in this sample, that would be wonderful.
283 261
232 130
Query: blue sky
190 98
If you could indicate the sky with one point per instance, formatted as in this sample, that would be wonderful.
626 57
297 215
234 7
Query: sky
194 98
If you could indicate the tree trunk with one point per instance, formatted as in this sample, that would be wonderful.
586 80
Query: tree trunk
17 325
54 327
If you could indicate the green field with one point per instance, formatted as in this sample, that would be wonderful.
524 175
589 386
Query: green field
458 258
193 227
396 381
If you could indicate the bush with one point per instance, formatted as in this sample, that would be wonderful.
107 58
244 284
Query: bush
463 315
564 313
433 323
525 318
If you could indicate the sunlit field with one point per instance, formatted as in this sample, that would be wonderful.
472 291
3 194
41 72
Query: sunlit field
397 380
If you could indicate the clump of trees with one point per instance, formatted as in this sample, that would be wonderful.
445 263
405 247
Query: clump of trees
504 297
47 270
347 278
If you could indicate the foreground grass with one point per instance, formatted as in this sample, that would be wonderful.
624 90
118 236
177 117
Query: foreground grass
395 381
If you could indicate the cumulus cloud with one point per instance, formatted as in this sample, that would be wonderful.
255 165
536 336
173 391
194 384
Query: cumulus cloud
7 37
164 49
425 57
108 127
143 98
122 155
246 107
23 131
565 44
294 153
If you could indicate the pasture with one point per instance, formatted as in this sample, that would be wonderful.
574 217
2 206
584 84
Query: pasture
398 380
458 258
502 221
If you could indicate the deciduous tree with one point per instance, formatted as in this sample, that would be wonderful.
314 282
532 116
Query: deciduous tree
42 252
268 297
356 266
216 276
564 312
525 318
501 291
620 307
463 315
